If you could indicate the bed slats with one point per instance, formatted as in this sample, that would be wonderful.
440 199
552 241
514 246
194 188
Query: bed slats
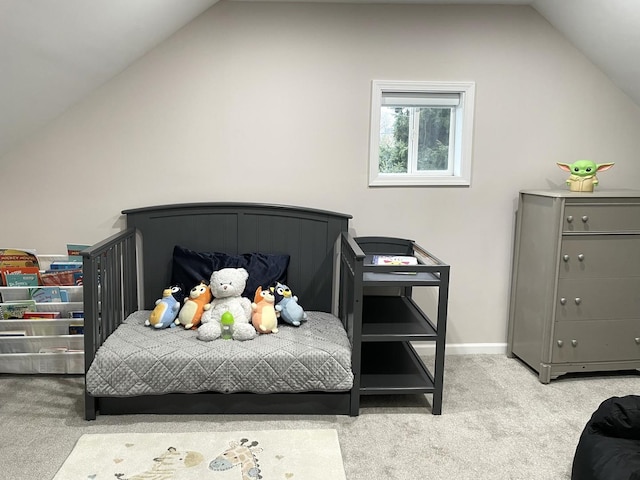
110 288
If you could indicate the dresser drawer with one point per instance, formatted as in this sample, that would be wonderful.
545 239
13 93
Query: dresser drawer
603 217
598 299
600 341
589 256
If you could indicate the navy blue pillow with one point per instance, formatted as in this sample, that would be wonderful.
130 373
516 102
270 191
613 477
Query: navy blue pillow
190 267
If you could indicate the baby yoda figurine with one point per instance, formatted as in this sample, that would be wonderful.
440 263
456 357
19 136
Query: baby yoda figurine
583 174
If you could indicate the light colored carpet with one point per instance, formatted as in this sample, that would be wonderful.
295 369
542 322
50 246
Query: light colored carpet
277 454
498 422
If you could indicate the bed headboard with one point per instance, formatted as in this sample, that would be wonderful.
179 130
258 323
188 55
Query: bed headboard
307 235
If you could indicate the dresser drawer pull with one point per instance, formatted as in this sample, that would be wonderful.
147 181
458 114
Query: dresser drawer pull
563 301
570 218
565 257
578 300
574 343
637 339
581 256
560 343
585 219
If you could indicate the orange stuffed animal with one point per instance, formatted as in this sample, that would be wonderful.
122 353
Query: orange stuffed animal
264 317
195 304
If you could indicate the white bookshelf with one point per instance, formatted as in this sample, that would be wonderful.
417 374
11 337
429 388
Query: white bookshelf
44 345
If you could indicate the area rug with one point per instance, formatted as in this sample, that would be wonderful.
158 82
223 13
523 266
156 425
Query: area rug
266 455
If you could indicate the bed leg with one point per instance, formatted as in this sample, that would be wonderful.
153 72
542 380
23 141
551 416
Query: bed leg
89 407
354 407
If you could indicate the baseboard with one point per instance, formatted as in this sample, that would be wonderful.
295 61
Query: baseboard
462 348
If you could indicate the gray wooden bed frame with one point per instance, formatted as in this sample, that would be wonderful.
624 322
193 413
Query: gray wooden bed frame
125 272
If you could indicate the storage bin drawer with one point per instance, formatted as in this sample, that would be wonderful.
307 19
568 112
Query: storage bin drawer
597 256
602 217
598 341
598 299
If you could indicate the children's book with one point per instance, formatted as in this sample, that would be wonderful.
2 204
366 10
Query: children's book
73 251
396 261
11 310
61 277
393 260
65 265
76 329
15 257
21 279
32 315
26 270
45 294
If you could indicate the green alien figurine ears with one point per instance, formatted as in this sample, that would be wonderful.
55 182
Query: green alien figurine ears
583 174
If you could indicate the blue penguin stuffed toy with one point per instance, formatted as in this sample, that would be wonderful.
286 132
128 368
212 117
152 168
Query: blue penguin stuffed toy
167 307
287 305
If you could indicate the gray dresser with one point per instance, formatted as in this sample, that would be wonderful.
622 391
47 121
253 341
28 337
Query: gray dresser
575 288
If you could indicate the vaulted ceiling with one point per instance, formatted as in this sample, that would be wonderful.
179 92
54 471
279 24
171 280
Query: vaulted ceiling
53 53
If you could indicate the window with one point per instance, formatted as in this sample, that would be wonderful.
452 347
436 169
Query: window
421 133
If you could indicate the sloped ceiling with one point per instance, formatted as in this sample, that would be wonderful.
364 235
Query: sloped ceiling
53 53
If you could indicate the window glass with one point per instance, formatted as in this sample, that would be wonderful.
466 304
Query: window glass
420 133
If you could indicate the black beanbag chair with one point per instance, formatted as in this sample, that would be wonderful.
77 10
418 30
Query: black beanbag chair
609 447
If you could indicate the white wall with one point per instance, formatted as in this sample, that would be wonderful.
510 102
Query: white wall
270 103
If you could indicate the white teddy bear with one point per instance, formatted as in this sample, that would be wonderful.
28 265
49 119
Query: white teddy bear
227 286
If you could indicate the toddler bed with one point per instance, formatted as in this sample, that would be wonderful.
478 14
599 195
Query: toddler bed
132 368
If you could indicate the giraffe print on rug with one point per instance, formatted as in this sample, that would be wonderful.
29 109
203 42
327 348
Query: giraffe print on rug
166 465
239 454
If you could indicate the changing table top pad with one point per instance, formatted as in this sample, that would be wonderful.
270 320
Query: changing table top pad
140 360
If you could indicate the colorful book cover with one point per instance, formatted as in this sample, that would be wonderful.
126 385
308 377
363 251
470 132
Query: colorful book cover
21 279
61 277
394 260
18 269
73 251
76 329
45 294
11 310
14 257
64 265
32 315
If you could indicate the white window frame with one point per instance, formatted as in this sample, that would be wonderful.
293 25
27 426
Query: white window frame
460 146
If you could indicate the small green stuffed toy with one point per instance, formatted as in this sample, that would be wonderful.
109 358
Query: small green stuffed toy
583 174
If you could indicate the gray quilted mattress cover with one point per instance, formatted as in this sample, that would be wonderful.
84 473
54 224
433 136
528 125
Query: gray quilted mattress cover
139 360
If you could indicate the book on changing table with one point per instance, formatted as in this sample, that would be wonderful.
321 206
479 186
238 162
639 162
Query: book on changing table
396 260
393 260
